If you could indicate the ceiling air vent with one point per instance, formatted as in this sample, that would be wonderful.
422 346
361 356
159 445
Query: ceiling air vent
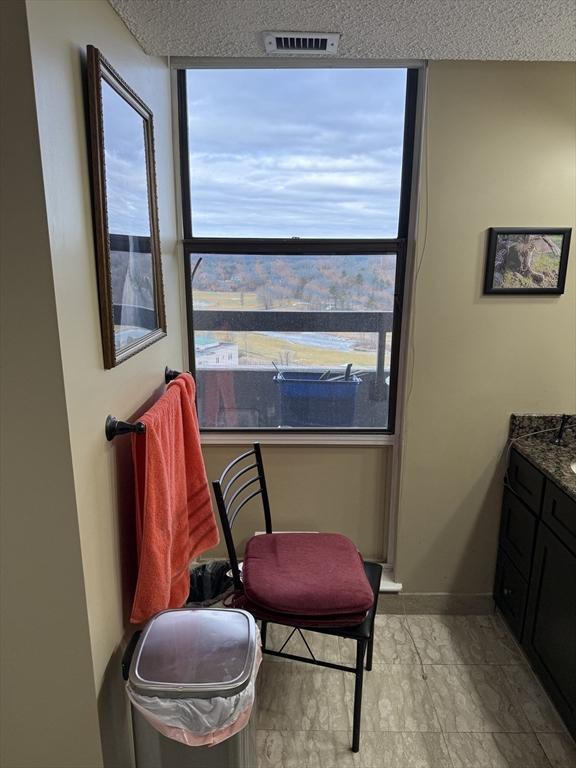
325 43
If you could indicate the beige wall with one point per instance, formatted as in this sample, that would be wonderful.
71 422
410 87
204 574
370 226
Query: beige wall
48 707
59 33
317 488
501 152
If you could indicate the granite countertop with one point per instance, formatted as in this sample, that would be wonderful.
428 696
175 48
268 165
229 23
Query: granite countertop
552 460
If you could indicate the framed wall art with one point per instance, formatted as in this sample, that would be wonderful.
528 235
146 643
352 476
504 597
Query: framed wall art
527 261
128 261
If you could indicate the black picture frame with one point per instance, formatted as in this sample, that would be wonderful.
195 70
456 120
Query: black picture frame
511 247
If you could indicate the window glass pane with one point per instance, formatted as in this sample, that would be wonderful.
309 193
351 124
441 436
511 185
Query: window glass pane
293 341
295 152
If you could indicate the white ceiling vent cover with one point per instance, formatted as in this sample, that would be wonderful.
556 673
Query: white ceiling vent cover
324 43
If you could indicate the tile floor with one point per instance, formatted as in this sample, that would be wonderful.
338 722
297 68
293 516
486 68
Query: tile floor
445 692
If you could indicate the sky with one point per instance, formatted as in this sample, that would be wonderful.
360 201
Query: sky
273 153
125 158
295 152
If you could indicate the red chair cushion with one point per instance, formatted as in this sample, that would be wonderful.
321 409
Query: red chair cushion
292 620
306 574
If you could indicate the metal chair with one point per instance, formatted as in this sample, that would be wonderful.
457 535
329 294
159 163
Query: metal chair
240 482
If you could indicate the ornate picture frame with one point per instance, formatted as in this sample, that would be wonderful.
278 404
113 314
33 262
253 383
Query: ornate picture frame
125 207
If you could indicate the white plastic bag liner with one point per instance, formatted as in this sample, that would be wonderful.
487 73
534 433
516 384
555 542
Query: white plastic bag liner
196 721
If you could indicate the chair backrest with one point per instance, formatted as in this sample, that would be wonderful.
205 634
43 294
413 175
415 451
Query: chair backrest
242 480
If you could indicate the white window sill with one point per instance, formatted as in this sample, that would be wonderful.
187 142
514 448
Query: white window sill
387 583
299 438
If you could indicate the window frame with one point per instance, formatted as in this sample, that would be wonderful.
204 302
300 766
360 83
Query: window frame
291 246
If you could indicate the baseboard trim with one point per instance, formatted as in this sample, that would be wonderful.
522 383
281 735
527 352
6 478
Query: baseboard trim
436 603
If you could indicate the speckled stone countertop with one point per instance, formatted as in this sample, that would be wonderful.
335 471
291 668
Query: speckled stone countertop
552 460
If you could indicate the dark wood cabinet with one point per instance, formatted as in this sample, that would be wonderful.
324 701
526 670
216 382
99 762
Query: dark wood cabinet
526 481
550 632
510 592
559 513
518 532
535 584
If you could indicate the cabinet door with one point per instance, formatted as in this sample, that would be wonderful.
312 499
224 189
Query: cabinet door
526 481
510 591
559 512
550 631
517 532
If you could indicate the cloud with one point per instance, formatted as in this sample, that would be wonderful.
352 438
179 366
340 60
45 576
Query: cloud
125 159
274 153
294 152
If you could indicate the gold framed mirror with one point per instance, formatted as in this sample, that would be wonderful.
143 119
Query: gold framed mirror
128 260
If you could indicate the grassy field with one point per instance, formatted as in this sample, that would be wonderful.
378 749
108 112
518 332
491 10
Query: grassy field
227 300
258 349
544 263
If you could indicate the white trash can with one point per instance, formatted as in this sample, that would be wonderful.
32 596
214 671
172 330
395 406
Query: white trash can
191 685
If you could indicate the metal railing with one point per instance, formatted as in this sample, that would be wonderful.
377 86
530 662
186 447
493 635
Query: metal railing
281 321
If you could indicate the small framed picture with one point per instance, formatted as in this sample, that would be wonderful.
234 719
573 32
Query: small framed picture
527 261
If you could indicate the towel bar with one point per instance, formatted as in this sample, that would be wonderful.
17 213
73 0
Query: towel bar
170 375
113 427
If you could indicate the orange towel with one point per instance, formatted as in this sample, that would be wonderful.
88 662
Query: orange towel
174 516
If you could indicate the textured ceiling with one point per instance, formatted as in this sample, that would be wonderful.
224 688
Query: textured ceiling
540 30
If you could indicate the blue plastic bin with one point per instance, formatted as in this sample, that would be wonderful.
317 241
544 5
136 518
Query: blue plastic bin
307 400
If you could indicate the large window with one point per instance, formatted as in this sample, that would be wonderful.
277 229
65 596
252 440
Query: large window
295 200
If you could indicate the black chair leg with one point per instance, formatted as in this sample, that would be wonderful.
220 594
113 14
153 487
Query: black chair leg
263 628
369 652
372 627
360 651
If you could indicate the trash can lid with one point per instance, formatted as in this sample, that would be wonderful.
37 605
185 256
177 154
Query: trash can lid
195 653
